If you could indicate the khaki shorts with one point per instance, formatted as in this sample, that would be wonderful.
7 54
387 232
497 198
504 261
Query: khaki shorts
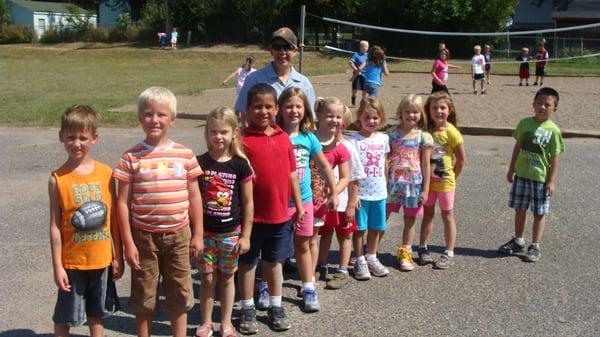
163 256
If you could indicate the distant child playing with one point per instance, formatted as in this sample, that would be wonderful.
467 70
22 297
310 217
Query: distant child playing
373 147
357 62
373 70
533 170
447 160
478 69
487 54
275 182
241 73
226 186
84 238
541 57
524 66
439 71
162 39
409 171
174 36
160 213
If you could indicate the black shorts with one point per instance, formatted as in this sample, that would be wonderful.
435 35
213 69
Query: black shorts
269 242
478 77
488 66
358 83
540 71
437 87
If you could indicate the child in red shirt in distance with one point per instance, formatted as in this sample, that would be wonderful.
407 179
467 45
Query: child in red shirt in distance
272 158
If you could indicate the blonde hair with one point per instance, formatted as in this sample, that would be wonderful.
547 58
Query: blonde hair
525 50
415 101
227 115
79 117
371 102
307 123
157 94
436 96
347 116
325 103
477 48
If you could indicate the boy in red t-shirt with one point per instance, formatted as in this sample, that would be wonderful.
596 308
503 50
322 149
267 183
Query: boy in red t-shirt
540 64
272 158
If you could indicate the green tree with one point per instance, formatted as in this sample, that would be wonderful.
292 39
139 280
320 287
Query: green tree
4 12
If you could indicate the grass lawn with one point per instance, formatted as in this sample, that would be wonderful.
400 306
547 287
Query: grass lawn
39 82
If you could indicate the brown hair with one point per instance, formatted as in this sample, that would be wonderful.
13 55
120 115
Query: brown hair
228 116
374 103
436 96
79 117
307 123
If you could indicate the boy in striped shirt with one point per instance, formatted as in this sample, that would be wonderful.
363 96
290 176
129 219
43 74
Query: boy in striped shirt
158 201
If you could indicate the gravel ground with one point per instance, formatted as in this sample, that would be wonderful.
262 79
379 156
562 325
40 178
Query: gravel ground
482 295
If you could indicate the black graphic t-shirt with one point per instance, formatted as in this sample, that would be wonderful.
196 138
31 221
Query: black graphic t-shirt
220 189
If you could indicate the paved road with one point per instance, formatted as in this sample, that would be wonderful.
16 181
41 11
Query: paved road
482 295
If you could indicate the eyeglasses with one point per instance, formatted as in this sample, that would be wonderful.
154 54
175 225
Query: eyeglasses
278 47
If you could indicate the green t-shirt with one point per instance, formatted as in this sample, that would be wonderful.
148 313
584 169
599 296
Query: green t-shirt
539 143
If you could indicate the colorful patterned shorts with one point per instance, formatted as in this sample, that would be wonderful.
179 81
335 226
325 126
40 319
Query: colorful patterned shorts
220 252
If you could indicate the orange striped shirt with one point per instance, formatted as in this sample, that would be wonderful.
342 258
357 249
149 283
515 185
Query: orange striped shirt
159 178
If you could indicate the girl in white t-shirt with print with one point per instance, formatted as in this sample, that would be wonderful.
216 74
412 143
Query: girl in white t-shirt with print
241 73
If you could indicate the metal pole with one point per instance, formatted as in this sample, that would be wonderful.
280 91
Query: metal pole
302 17
508 44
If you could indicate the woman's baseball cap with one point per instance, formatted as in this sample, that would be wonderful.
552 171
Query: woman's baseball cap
287 35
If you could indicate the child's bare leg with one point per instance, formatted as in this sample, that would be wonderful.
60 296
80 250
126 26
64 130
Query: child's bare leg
96 327
426 224
61 330
246 274
273 274
324 247
179 324
357 242
449 229
482 82
143 324
314 250
520 217
539 223
207 297
345 249
227 292
373 238
408 233
303 258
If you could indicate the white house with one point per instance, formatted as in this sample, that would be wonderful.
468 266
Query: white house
44 15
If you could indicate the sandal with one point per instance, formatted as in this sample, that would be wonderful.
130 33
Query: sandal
204 330
228 331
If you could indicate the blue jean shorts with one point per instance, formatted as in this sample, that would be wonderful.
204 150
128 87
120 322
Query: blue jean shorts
525 191
371 215
269 242
93 294
372 88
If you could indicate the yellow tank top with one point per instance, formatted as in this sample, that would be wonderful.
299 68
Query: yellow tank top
85 203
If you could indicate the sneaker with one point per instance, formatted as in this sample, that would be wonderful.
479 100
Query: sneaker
533 254
353 99
535 83
248 324
444 262
321 273
489 82
289 266
527 84
311 302
278 319
424 257
511 247
361 271
541 83
406 260
377 269
483 92
520 84
474 92
338 280
263 302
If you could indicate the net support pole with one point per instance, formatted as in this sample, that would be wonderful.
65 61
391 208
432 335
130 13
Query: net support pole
508 44
302 17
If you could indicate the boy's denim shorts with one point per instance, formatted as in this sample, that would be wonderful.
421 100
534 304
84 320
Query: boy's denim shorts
93 294
525 191
269 242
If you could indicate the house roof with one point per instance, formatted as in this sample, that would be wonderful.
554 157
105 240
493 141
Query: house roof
42 6
577 9
529 12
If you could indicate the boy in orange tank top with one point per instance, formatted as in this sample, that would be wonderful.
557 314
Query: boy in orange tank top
86 246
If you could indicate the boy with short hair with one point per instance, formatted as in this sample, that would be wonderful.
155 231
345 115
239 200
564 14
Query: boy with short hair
271 155
541 57
86 247
533 170
158 201
358 62
478 69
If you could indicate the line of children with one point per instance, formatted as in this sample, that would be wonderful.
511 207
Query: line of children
172 205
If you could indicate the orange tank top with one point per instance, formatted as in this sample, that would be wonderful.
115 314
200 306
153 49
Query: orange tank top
85 203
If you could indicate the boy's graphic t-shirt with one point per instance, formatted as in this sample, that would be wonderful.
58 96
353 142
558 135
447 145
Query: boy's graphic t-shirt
405 156
541 57
372 152
440 68
478 64
524 61
159 177
86 203
442 156
220 187
306 145
539 143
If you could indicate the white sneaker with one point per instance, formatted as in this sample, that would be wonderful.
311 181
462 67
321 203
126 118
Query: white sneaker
361 271
377 268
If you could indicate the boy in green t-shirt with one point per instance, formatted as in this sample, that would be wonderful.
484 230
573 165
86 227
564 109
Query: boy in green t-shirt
533 170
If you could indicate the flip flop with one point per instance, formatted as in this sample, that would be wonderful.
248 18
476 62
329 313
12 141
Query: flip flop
228 331
204 330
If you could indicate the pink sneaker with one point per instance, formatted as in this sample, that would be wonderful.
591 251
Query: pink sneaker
406 260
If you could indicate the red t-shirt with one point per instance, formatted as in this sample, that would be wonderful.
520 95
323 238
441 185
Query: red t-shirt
272 159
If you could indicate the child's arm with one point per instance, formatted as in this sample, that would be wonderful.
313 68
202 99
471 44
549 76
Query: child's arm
513 160
551 184
344 177
60 275
453 66
196 217
459 154
247 216
426 171
123 201
296 196
385 68
230 76
115 233
353 201
323 165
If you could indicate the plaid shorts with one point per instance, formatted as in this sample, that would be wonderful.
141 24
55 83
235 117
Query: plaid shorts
523 191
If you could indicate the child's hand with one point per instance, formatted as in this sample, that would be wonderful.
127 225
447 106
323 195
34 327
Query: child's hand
132 256
117 268
332 202
299 214
350 213
423 198
243 245
196 245
62 280
550 188
509 176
